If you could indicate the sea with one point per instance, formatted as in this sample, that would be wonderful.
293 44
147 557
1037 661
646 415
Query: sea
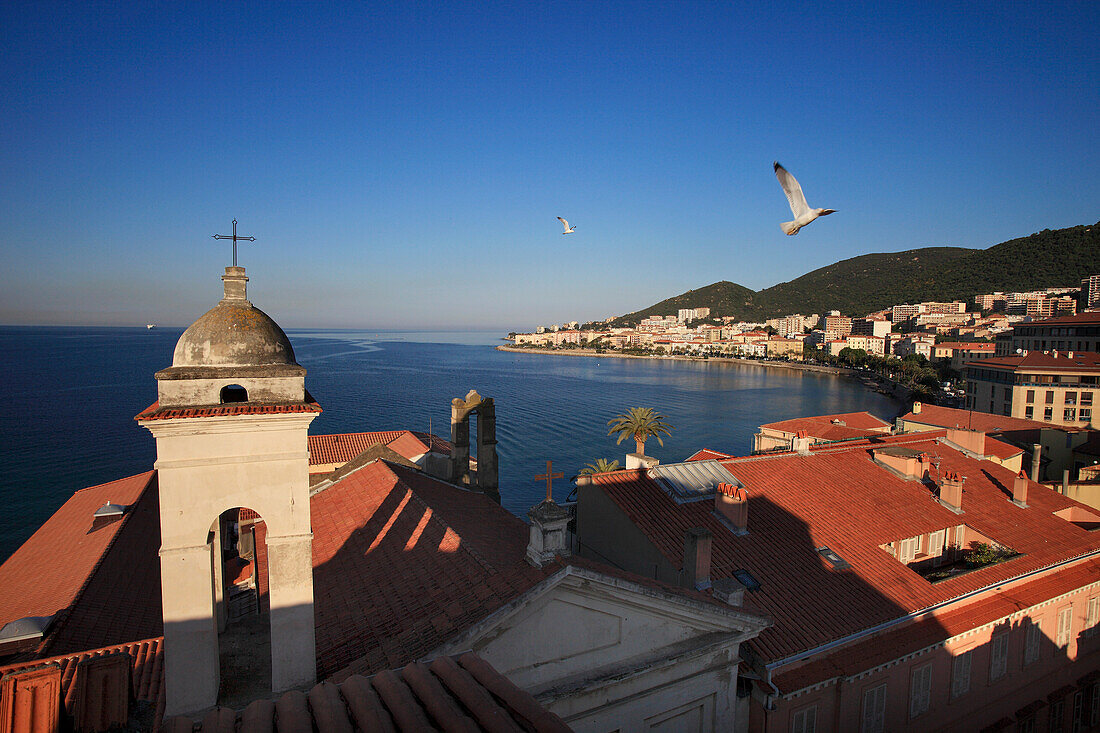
70 394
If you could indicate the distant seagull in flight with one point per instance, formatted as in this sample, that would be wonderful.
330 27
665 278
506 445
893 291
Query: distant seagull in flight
568 229
803 214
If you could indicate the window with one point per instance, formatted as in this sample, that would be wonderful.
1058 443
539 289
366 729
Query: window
1026 725
805 720
1086 414
1007 393
1031 643
1065 626
1030 395
1050 397
1093 614
1077 714
874 710
1071 398
1094 717
998 657
1057 713
1070 414
1086 398
1029 412
1048 414
920 690
936 541
908 550
960 674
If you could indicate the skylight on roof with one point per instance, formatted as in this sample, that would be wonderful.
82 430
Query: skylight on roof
692 480
833 559
746 579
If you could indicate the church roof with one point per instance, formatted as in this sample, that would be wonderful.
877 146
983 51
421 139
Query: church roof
403 561
343 447
51 571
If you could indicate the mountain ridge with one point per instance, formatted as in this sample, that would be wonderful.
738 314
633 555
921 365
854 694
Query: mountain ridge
866 283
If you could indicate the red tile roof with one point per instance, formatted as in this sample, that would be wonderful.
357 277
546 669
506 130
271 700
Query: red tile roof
343 447
1080 361
949 417
839 498
146 672
931 629
403 561
449 694
706 454
1086 318
48 582
999 449
966 346
826 427
156 412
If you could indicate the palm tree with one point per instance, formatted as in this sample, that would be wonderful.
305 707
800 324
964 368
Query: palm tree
600 466
639 423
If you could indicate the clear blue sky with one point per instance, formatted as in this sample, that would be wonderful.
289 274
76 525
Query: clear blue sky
401 164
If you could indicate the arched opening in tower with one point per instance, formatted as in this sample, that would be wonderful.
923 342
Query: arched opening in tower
244 625
233 393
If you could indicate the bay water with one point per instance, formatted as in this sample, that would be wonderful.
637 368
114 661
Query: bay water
69 396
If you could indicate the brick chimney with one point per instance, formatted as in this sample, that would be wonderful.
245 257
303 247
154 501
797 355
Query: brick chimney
732 504
1036 455
951 491
801 443
1019 489
971 441
697 546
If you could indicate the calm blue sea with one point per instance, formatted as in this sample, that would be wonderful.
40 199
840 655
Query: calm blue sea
70 395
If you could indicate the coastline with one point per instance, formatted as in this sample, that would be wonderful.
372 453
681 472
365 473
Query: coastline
871 381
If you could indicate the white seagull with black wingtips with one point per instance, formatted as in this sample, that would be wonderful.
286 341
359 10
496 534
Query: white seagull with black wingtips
803 214
568 229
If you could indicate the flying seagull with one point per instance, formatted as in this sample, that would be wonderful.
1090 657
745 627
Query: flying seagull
803 214
568 229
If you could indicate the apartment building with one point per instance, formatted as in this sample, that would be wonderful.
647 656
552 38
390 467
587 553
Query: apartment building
1068 333
1054 387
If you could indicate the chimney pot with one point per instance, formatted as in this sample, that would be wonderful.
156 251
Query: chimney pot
1019 489
951 490
732 503
1036 456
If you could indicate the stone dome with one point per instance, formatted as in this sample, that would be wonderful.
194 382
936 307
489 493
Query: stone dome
234 333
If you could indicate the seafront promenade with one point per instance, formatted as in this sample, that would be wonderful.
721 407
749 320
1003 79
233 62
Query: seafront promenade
662 357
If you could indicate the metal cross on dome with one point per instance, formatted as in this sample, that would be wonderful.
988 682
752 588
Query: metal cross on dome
549 477
235 239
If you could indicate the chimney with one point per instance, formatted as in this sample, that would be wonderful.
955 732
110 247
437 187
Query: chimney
917 408
801 443
951 491
697 544
1036 455
1065 481
925 465
971 441
549 533
732 504
1019 489
729 591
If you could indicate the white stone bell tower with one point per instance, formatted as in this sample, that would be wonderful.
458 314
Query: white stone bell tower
231 431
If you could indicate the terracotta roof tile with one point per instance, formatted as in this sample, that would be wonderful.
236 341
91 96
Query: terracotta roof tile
47 586
343 447
829 427
460 556
156 412
465 696
839 498
949 417
1080 361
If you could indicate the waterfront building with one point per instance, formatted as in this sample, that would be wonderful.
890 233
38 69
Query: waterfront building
777 347
913 583
871 327
1090 292
818 429
960 353
836 327
1058 387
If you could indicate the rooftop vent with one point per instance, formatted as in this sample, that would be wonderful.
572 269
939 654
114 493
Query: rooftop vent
108 514
746 579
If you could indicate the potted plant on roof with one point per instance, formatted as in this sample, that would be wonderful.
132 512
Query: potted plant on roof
639 423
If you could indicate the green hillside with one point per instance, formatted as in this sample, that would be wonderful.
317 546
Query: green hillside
872 282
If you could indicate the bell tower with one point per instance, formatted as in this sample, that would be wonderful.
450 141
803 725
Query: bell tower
230 425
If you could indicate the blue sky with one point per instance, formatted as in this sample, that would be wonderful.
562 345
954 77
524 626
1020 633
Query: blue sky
401 164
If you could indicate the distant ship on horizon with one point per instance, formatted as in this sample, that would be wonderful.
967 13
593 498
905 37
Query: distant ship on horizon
150 326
